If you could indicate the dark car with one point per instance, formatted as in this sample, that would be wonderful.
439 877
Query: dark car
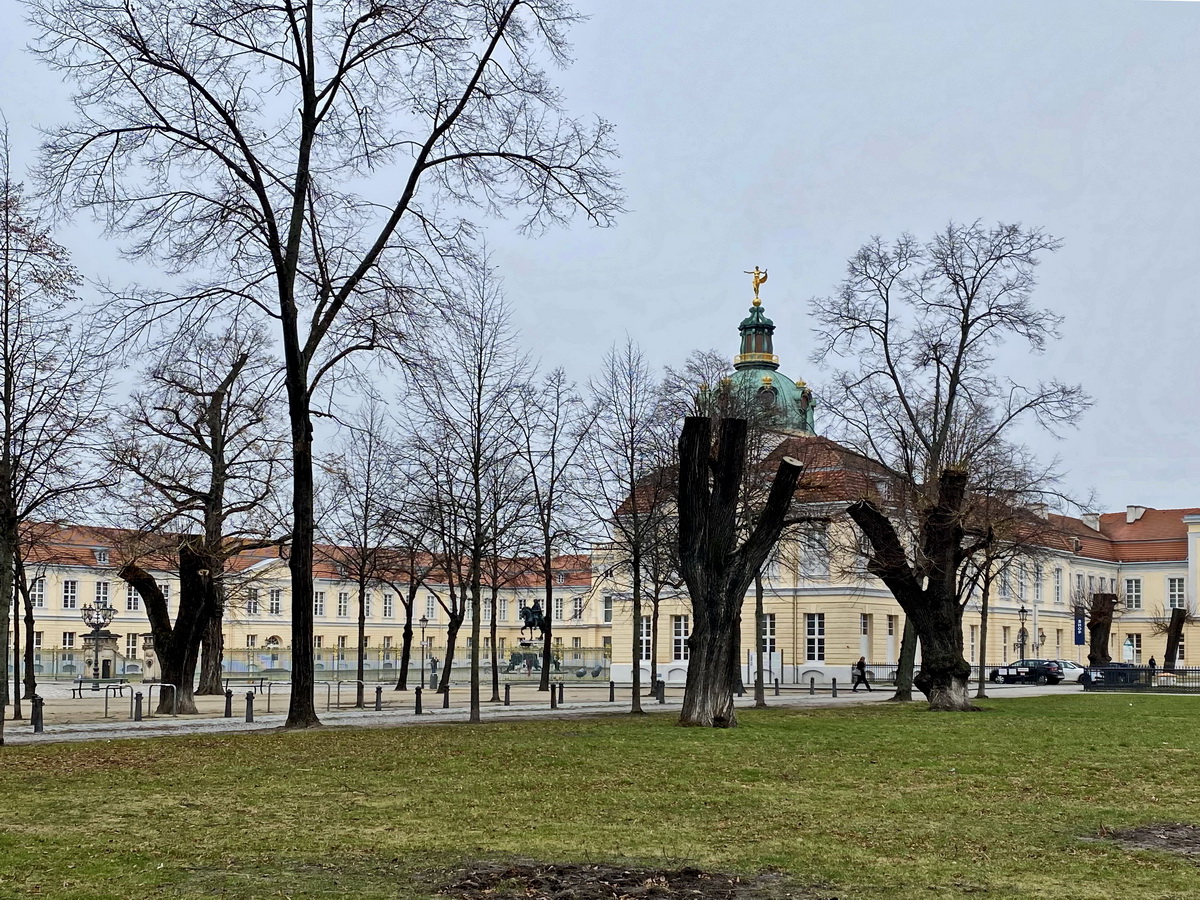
1028 671
1117 673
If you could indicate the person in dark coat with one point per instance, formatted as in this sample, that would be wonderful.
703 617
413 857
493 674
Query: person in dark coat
860 675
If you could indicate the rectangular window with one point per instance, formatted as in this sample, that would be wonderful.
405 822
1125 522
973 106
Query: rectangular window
1092 585
1178 653
251 640
768 635
560 578
679 631
1079 594
70 595
558 609
1058 642
608 610
1112 585
131 646
864 624
37 641
487 609
1058 598
1021 579
37 593
814 552
974 636
68 639
1133 593
1004 638
503 604
577 608
389 606
252 603
1005 587
576 644
892 625
1133 649
367 604
1176 593
133 600
166 592
275 601
318 641
102 593
468 609
644 638
1037 583
366 641
343 604
101 557
387 642
318 603
814 645
431 607
341 642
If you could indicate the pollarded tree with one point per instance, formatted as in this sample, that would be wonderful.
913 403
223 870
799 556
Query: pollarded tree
53 381
923 399
240 144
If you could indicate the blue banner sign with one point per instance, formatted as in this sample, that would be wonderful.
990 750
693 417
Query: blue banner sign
1080 628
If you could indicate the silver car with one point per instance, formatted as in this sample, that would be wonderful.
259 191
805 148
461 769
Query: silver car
1072 671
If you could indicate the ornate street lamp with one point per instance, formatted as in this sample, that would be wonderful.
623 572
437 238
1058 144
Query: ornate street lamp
97 619
1022 634
423 621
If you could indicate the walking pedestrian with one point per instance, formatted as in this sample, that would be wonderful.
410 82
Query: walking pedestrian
860 675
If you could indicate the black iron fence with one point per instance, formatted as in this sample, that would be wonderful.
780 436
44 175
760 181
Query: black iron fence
1142 678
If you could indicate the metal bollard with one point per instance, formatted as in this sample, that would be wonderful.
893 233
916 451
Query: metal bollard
418 696
812 686
249 706
229 704
507 692
37 714
834 687
740 689
660 689
612 692
378 698
137 707
553 698
561 687
776 687
446 700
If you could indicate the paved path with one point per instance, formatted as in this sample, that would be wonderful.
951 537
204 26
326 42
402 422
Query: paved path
20 733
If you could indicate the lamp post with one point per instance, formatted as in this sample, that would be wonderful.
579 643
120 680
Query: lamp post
97 619
1022 634
423 621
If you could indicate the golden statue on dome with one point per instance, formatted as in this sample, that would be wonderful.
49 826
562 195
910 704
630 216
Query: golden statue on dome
759 278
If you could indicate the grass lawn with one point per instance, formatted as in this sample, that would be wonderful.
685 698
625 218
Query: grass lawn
871 802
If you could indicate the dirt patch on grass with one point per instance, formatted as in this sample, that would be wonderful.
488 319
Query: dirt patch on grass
587 881
1173 837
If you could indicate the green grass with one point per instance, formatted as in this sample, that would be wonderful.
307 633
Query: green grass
875 801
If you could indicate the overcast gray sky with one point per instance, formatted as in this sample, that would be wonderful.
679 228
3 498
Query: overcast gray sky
785 134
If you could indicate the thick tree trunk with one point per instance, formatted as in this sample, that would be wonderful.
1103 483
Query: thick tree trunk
406 648
654 610
302 708
30 671
452 629
981 693
547 632
495 649
945 674
760 691
1099 626
905 664
360 668
16 666
476 614
212 652
635 705
717 570
1174 637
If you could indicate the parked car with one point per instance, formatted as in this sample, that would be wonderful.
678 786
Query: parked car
1026 671
1072 671
1119 673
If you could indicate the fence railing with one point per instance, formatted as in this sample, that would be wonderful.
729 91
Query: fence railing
1142 678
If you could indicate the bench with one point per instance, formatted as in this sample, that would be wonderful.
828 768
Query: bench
111 686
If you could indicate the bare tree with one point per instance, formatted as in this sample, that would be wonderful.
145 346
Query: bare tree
361 518
198 456
920 324
53 382
227 141
626 452
471 368
550 421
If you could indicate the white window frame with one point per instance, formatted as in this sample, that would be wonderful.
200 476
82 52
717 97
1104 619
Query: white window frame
608 610
131 646
1038 576
1058 585
680 631
102 593
389 606
133 600
558 609
645 639
768 635
275 601
68 640
343 607
431 606
251 602
1176 592
503 610
70 594
577 609
37 593
318 603
1133 593
814 637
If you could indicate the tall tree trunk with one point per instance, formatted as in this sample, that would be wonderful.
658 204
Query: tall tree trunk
30 650
635 705
360 668
654 609
476 614
212 652
981 693
9 548
547 629
1174 636
904 665
302 709
16 666
760 693
1099 626
452 629
406 648
717 570
945 674
495 650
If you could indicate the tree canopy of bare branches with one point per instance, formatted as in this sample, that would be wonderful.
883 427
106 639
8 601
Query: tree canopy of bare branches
920 324
310 160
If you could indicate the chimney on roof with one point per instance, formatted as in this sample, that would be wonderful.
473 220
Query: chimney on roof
1133 513
1091 520
1041 510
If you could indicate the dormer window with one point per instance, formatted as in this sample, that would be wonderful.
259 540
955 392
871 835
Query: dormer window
101 557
